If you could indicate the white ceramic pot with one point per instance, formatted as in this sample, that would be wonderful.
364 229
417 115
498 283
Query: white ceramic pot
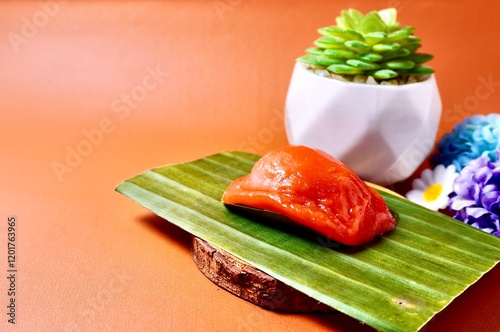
382 132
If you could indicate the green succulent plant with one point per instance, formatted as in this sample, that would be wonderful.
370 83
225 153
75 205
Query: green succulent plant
372 45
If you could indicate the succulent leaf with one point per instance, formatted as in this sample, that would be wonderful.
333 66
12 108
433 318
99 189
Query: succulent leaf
356 15
380 48
389 16
420 70
372 23
369 57
314 51
325 31
344 69
368 45
419 57
320 61
373 38
339 53
398 35
352 17
412 47
357 46
324 61
399 53
411 40
400 64
345 34
346 22
362 65
329 42
308 59
385 74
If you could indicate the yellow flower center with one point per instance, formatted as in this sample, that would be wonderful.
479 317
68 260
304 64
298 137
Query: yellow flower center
433 192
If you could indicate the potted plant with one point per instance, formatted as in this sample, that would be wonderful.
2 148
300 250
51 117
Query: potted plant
364 95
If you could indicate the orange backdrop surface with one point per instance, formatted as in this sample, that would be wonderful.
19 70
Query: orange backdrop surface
96 92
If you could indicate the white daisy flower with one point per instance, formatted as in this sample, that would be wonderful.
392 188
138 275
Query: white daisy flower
433 187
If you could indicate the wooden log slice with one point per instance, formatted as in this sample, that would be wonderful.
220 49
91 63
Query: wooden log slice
249 283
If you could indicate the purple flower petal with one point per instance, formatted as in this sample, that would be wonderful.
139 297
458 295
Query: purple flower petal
475 212
458 203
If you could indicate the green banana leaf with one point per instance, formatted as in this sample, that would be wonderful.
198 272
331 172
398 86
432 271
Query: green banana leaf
398 282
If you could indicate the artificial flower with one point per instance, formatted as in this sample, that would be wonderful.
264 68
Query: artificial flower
477 195
474 137
433 188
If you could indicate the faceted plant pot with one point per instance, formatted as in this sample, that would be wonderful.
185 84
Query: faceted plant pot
383 132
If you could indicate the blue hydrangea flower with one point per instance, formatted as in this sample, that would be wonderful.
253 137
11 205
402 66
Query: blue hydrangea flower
474 137
476 199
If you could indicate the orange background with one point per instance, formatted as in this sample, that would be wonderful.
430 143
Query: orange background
77 76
